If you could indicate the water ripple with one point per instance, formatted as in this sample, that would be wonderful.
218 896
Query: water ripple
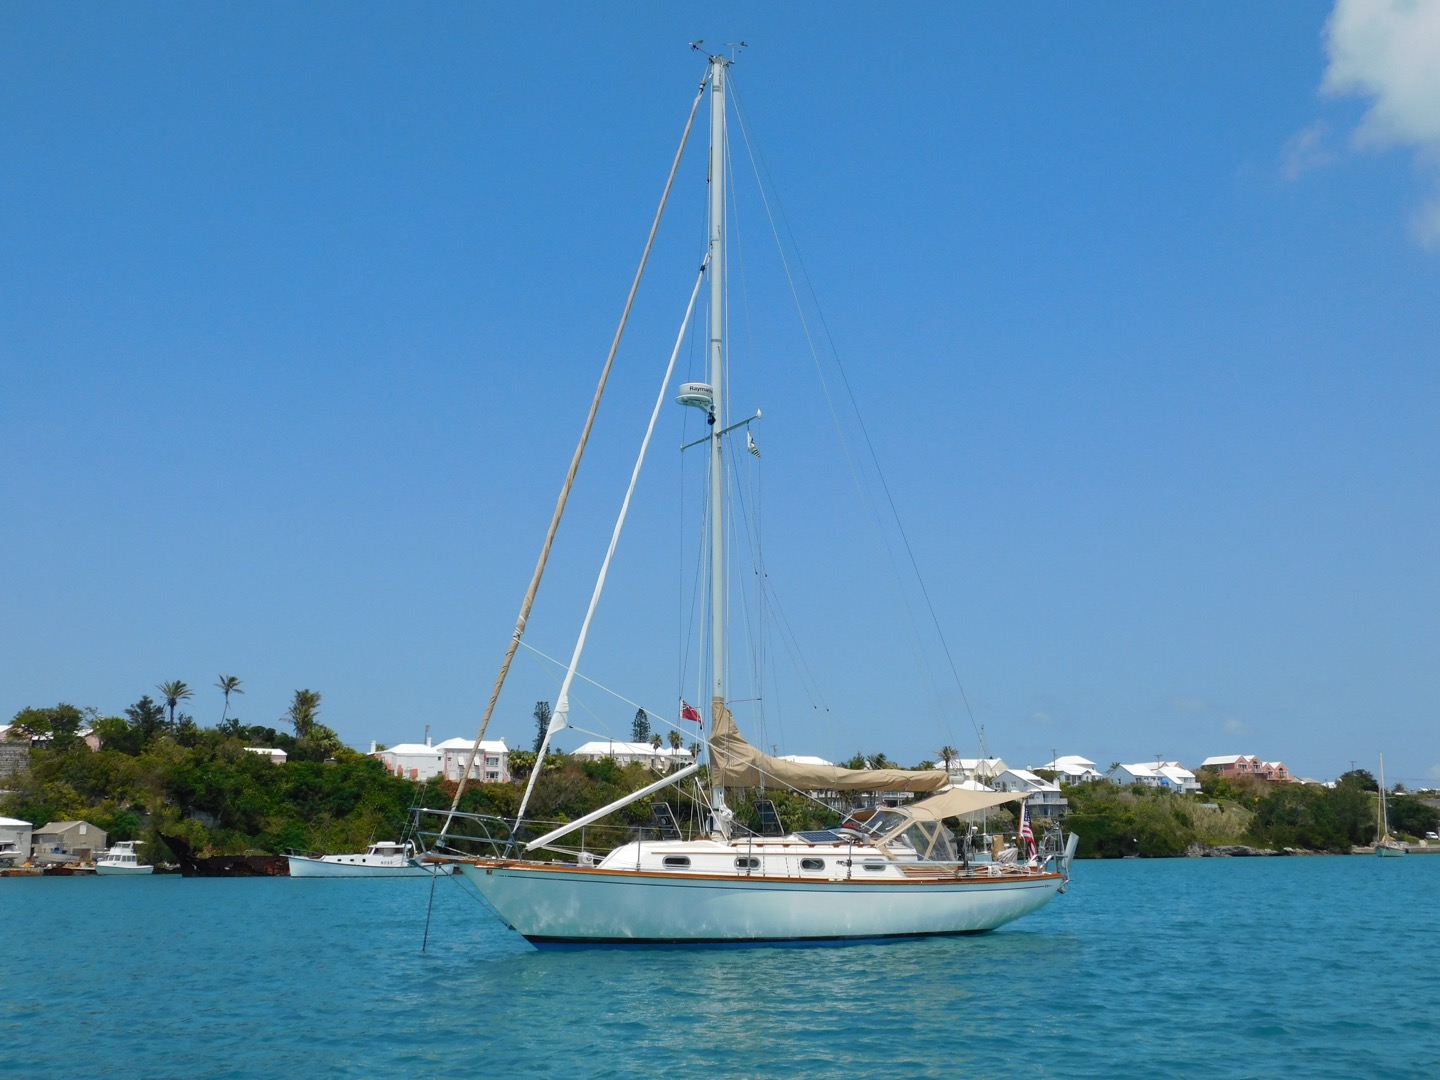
1321 967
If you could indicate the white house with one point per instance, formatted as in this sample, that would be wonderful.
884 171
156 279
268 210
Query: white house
659 758
274 753
415 761
1159 774
492 760
1045 800
1072 769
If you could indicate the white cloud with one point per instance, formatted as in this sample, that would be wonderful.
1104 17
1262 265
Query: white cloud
1233 726
1388 51
1306 150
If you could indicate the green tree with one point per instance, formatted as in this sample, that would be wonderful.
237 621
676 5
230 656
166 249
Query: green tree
640 727
227 685
115 734
1411 816
174 692
304 708
676 740
947 754
1364 779
313 740
58 727
147 720
542 716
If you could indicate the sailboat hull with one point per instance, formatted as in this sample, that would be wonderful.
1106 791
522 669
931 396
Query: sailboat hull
554 904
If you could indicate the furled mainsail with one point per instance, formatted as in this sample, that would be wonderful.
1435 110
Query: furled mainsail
735 763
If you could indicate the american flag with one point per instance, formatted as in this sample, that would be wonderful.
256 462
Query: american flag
1026 833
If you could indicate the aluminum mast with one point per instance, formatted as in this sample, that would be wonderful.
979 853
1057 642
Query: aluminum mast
718 65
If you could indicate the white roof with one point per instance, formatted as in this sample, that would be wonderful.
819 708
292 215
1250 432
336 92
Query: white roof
488 746
805 759
1170 770
606 748
409 749
1139 769
1070 763
969 785
1224 759
1029 779
10 822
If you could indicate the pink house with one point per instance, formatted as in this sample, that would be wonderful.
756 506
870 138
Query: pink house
1233 765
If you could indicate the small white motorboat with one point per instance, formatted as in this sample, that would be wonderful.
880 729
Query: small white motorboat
122 860
385 859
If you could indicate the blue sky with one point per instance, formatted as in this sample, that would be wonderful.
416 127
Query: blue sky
301 307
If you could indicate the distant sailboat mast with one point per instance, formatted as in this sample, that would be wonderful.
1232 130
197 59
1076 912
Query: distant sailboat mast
715 418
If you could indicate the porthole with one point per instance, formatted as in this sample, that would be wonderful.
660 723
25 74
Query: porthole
873 864
747 862
812 864
677 862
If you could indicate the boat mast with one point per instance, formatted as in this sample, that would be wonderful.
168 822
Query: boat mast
718 65
1384 817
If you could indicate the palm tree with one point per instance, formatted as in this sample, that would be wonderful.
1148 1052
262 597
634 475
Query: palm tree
947 754
175 692
229 684
304 707
676 741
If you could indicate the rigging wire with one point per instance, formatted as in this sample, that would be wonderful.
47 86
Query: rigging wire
529 599
761 172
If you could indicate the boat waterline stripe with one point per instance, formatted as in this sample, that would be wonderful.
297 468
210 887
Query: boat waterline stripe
692 880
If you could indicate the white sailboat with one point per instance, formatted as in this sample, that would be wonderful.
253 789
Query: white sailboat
888 872
388 858
1386 846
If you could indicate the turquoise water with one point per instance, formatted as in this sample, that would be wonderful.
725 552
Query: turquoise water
1315 967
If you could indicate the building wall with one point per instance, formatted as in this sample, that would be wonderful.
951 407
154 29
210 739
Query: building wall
81 839
14 758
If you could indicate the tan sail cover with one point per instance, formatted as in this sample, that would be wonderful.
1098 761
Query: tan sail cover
958 802
735 763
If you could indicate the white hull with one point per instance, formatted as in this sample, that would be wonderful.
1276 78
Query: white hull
332 867
122 861
552 904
